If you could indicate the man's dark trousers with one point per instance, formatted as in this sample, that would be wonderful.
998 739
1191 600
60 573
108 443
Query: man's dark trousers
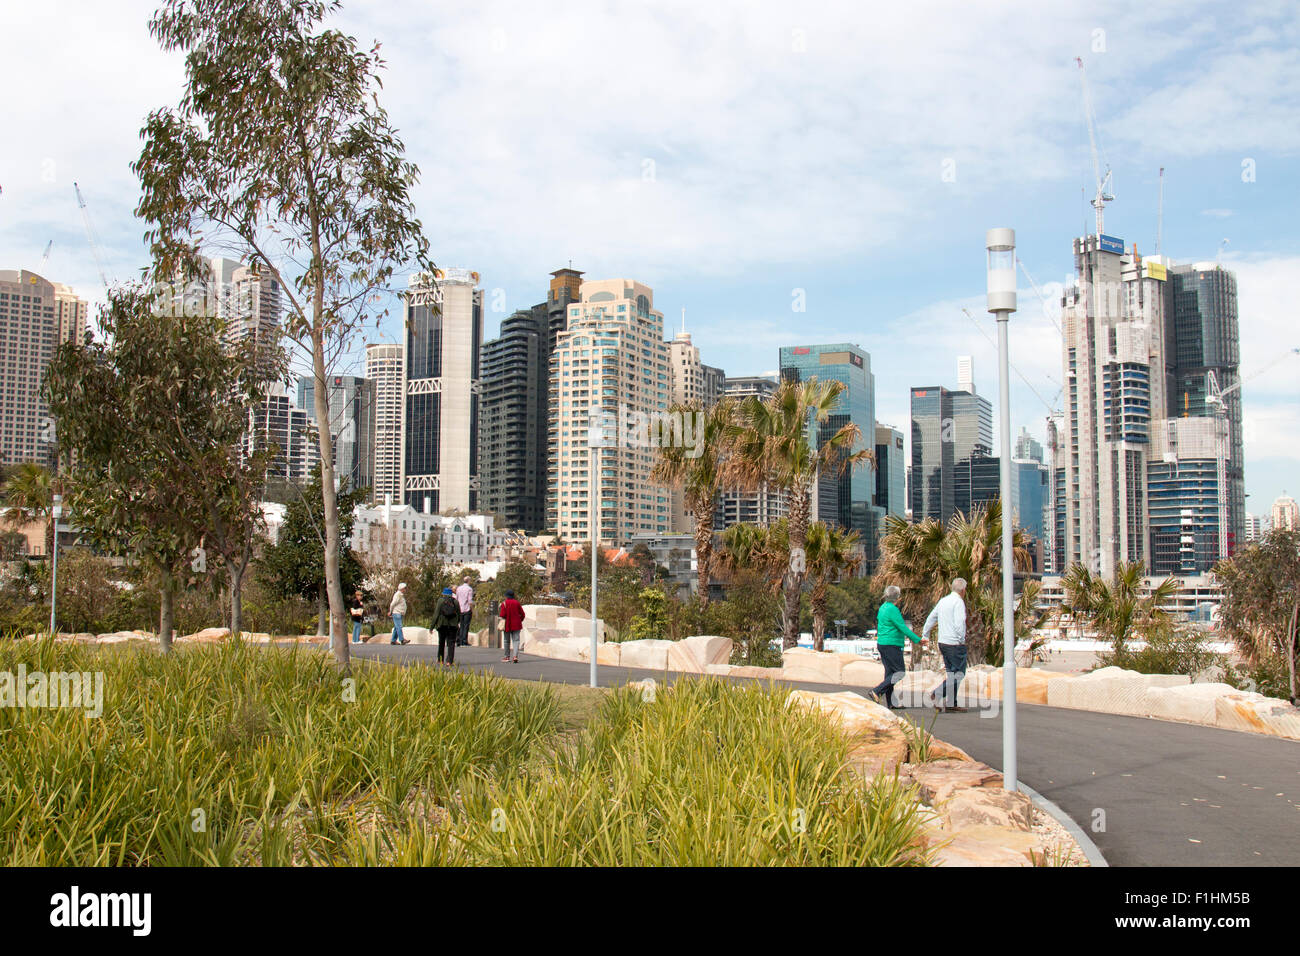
954 663
462 636
891 658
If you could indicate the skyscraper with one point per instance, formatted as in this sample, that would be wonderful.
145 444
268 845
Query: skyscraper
610 364
36 316
891 471
764 505
386 368
352 425
949 430
846 499
444 332
692 384
1286 514
1027 447
512 437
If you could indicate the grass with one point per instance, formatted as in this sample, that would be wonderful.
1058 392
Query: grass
230 755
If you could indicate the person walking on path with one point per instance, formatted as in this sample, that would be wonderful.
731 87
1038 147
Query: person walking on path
949 618
465 598
357 608
396 610
891 631
512 613
446 620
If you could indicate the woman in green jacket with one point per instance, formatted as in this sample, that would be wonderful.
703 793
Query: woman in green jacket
891 629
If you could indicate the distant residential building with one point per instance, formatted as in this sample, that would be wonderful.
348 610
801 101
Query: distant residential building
692 384
1254 527
393 532
750 507
386 369
1286 514
610 363
277 422
36 317
444 332
512 435
676 552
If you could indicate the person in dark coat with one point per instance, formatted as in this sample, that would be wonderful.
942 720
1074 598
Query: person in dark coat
446 620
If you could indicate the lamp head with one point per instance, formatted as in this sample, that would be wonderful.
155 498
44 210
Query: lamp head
1001 246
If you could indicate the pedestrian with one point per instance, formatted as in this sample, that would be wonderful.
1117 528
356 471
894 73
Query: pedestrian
465 598
396 609
891 631
446 620
948 618
512 612
358 609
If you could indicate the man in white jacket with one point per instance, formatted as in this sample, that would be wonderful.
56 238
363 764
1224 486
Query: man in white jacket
949 618
396 609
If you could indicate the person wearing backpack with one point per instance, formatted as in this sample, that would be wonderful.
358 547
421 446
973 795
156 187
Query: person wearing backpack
512 614
446 621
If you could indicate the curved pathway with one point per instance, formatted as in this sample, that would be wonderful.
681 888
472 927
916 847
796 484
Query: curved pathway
1172 794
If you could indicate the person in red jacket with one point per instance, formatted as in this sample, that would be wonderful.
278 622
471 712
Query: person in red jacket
512 613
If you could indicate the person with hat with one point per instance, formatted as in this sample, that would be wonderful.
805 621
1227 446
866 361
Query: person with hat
512 613
446 620
396 609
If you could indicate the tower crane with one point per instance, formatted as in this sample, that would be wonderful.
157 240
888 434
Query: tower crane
45 256
1103 182
90 234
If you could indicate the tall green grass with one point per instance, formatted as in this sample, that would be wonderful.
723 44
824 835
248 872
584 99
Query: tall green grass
279 766
706 774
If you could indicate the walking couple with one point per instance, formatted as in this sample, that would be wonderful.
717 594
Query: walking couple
948 618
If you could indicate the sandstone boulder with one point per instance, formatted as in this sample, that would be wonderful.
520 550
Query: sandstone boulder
541 615
576 626
821 667
1110 690
1191 702
611 654
989 846
1258 714
692 654
650 655
988 806
1031 684
208 634
862 673
854 713
719 670
940 779
757 673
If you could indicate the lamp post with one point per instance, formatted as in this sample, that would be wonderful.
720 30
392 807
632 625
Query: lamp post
596 440
1000 245
56 512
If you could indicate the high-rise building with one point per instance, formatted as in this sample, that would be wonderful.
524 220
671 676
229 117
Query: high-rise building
512 434
1054 506
1114 354
444 333
609 366
950 429
692 384
1027 447
277 421
1286 514
250 303
848 498
891 471
966 374
386 369
765 505
1254 527
1203 349
566 289
1185 498
352 425
36 316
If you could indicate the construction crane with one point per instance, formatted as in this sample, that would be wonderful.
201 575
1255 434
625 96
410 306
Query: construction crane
1214 395
90 234
1160 212
1037 394
45 257
1103 182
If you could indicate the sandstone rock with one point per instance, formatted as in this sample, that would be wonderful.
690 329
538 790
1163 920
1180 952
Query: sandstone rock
855 714
1192 702
940 779
1258 714
878 750
650 655
380 638
208 634
1110 690
988 846
862 673
541 635
576 626
988 806
610 654
719 670
541 615
824 667
1031 684
692 654
758 673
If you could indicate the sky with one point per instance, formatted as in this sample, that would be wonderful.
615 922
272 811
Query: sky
746 159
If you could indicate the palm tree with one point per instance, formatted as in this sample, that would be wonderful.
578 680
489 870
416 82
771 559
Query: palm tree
1079 589
923 559
764 550
1119 606
832 553
787 443
1027 615
28 493
697 473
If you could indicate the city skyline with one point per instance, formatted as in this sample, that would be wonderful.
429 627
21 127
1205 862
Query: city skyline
855 187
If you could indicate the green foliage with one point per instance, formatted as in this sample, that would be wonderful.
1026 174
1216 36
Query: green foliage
266 744
295 564
1169 650
1260 611
1268 675
652 622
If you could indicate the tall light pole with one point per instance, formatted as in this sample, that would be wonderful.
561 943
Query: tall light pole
596 440
56 512
1001 247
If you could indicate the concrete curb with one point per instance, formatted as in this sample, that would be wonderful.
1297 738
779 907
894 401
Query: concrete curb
1089 848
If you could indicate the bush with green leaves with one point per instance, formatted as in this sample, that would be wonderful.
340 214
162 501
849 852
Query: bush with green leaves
1169 649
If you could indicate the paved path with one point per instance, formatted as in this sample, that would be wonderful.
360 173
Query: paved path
1173 794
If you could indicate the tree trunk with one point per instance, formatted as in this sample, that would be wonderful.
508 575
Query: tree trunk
236 575
322 611
1291 648
329 495
166 614
818 620
800 505
704 550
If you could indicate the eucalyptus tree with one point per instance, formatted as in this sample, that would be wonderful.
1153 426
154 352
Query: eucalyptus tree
1261 600
787 443
279 153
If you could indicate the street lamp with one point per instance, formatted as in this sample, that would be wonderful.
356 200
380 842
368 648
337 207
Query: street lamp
596 440
1001 247
56 512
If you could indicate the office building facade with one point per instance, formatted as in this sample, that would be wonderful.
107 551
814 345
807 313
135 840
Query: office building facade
950 429
512 437
386 370
351 402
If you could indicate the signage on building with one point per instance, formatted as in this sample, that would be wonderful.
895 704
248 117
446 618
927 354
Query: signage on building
1110 244
918 393
1156 271
801 350
855 359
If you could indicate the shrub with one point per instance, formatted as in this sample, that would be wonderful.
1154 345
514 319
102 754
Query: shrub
1169 650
